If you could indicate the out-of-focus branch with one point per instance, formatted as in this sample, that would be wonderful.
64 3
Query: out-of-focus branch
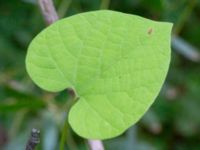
33 140
184 16
48 11
184 48
50 15
63 8
179 45
96 145
105 4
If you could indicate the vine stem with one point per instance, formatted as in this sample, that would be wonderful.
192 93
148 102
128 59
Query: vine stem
48 11
96 145
50 15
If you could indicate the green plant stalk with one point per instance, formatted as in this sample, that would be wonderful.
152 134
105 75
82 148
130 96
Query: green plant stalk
185 15
63 8
66 133
105 4
63 137
17 122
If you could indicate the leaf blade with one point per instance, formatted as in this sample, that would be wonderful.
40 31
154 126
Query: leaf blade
116 62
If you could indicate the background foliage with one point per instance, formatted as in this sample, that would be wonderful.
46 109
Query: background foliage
173 121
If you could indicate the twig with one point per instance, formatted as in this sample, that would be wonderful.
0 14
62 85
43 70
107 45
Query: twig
50 15
48 11
33 140
95 145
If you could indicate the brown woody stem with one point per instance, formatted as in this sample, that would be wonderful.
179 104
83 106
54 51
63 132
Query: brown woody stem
48 11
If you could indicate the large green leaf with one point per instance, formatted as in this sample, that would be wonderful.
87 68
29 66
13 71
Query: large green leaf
115 62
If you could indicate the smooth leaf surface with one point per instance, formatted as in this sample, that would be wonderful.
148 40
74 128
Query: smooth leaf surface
115 62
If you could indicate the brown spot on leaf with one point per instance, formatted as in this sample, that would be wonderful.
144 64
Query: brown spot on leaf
150 31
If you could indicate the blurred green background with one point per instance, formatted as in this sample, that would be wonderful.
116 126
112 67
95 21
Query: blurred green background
173 121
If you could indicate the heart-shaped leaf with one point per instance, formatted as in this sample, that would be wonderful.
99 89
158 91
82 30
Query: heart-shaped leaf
115 62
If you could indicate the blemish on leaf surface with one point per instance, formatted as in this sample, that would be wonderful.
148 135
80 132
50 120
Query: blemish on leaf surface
150 31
